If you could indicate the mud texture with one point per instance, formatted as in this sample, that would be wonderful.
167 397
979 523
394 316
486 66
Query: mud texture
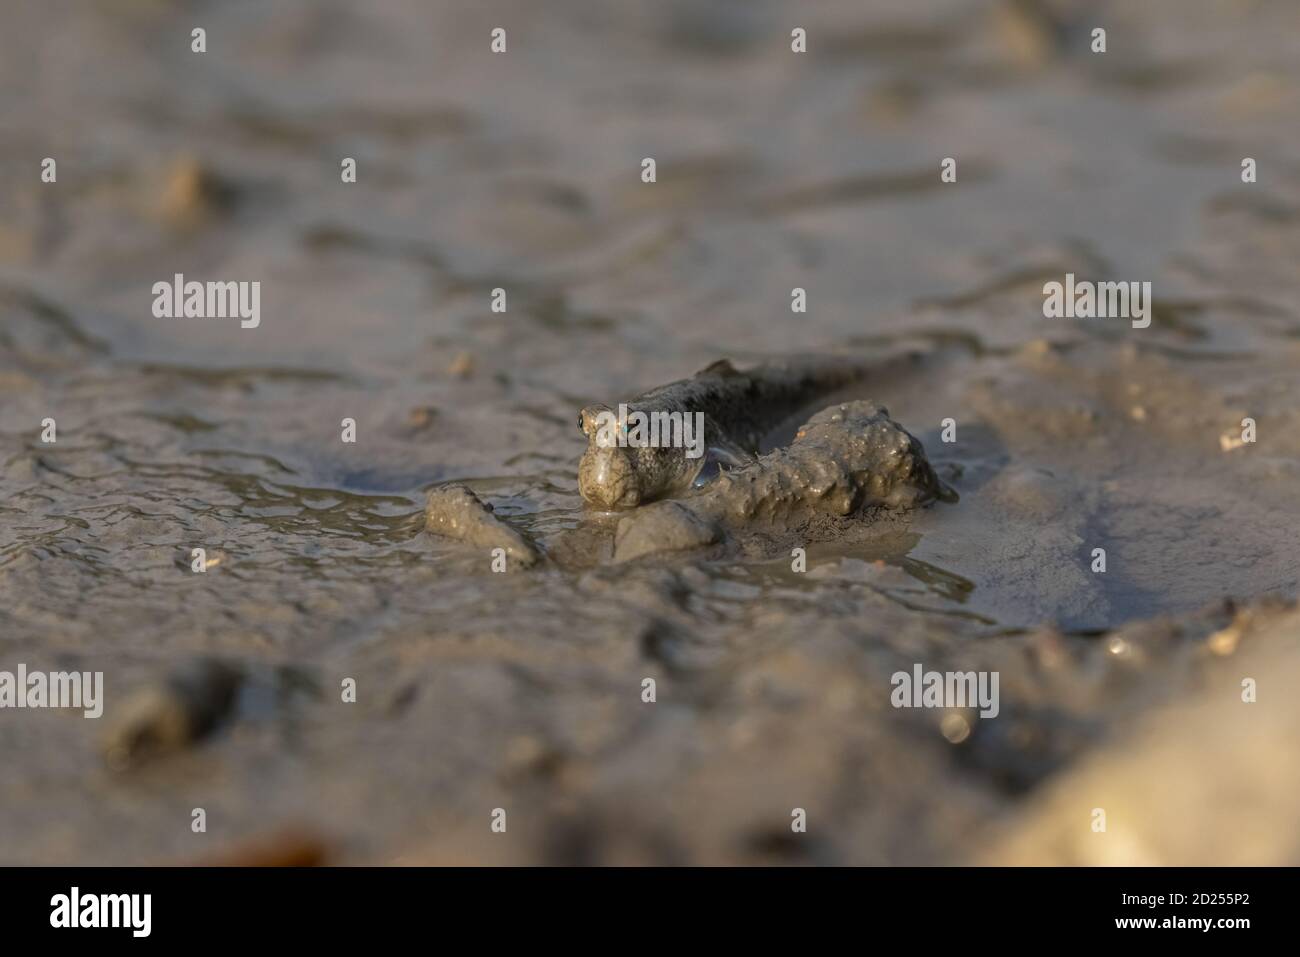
523 690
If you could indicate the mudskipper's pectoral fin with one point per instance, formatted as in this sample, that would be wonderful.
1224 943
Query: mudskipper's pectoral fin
729 455
721 455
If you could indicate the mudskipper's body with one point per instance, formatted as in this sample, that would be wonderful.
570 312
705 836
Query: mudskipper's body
738 409
845 460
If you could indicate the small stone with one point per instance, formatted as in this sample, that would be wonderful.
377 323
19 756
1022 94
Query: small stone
462 367
1224 642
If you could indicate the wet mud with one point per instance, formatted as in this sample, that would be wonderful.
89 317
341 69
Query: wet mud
522 689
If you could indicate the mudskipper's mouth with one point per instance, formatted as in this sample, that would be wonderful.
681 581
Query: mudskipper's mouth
607 480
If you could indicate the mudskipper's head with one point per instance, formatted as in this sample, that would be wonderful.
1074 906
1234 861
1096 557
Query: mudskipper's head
607 476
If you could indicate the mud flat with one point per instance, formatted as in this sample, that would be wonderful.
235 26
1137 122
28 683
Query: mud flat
394 689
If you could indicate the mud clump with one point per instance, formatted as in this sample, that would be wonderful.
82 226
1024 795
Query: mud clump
172 714
845 459
666 527
455 512
194 193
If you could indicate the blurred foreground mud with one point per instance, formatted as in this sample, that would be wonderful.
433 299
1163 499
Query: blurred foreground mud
1204 779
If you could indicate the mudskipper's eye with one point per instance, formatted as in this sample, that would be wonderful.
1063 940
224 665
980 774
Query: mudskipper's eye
582 423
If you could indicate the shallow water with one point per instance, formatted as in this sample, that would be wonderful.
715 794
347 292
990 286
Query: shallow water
775 170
